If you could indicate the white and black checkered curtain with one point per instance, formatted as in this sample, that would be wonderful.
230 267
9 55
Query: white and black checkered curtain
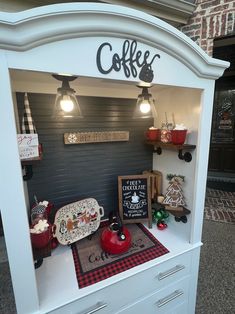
27 120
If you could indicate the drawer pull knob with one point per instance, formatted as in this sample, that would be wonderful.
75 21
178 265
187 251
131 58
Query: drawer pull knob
170 272
169 298
98 306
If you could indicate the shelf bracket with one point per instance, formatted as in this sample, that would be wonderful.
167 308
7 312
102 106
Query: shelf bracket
186 156
28 172
158 150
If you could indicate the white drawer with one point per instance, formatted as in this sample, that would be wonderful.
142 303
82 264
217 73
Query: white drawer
168 272
156 277
172 299
152 279
127 291
100 302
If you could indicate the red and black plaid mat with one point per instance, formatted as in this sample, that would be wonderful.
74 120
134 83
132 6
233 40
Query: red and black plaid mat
93 265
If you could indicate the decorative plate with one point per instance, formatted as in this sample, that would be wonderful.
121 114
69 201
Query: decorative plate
77 220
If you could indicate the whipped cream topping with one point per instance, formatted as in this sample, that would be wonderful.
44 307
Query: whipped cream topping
180 127
40 227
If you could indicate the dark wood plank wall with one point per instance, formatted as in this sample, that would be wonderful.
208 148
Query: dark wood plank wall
72 172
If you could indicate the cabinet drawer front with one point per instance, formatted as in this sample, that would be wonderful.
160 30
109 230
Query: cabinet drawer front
151 280
171 299
168 272
171 271
127 291
81 307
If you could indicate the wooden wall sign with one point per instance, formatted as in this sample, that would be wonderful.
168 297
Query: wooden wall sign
28 146
95 137
135 199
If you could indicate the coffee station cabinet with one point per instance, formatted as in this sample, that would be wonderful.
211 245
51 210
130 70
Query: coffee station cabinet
88 40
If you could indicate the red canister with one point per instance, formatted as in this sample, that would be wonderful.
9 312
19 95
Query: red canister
153 134
179 136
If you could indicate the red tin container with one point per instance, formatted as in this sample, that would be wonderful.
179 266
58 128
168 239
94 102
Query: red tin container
153 134
178 136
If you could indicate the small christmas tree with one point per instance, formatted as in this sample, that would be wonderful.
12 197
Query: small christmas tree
174 198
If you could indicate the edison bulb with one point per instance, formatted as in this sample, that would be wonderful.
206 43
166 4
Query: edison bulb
145 106
66 104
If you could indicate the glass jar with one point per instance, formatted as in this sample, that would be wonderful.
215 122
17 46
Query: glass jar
166 133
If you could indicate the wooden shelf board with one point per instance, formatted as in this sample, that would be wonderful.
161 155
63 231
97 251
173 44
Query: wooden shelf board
171 146
179 213
32 161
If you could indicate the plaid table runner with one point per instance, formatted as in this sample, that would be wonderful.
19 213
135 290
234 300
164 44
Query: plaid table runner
93 265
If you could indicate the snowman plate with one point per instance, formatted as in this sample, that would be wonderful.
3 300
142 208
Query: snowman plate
77 220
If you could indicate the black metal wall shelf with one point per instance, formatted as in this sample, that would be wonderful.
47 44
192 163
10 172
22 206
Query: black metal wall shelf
186 156
27 164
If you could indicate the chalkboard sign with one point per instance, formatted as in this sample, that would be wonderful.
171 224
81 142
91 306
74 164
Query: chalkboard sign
135 199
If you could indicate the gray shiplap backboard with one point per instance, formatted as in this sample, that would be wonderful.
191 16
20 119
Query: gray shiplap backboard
72 172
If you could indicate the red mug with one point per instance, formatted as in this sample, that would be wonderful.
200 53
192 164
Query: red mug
178 136
42 239
153 134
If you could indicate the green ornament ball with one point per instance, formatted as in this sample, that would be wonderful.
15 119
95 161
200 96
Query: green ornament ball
165 214
158 215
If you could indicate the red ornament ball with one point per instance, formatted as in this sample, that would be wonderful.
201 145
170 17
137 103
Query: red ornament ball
161 225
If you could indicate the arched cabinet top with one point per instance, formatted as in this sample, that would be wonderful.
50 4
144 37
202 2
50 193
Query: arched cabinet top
29 29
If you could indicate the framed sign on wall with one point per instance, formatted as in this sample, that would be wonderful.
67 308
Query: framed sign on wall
223 124
135 199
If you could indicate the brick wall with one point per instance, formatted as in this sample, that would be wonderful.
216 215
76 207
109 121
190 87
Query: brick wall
211 19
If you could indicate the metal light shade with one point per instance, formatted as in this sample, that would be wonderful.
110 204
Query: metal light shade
145 107
66 103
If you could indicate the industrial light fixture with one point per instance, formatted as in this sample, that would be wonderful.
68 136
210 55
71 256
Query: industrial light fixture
66 103
145 105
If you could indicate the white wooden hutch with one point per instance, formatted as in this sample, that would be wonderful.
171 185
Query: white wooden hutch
64 38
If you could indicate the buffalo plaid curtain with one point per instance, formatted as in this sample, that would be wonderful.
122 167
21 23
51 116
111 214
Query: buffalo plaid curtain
27 121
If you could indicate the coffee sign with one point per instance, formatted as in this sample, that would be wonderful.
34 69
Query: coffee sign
134 199
131 60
